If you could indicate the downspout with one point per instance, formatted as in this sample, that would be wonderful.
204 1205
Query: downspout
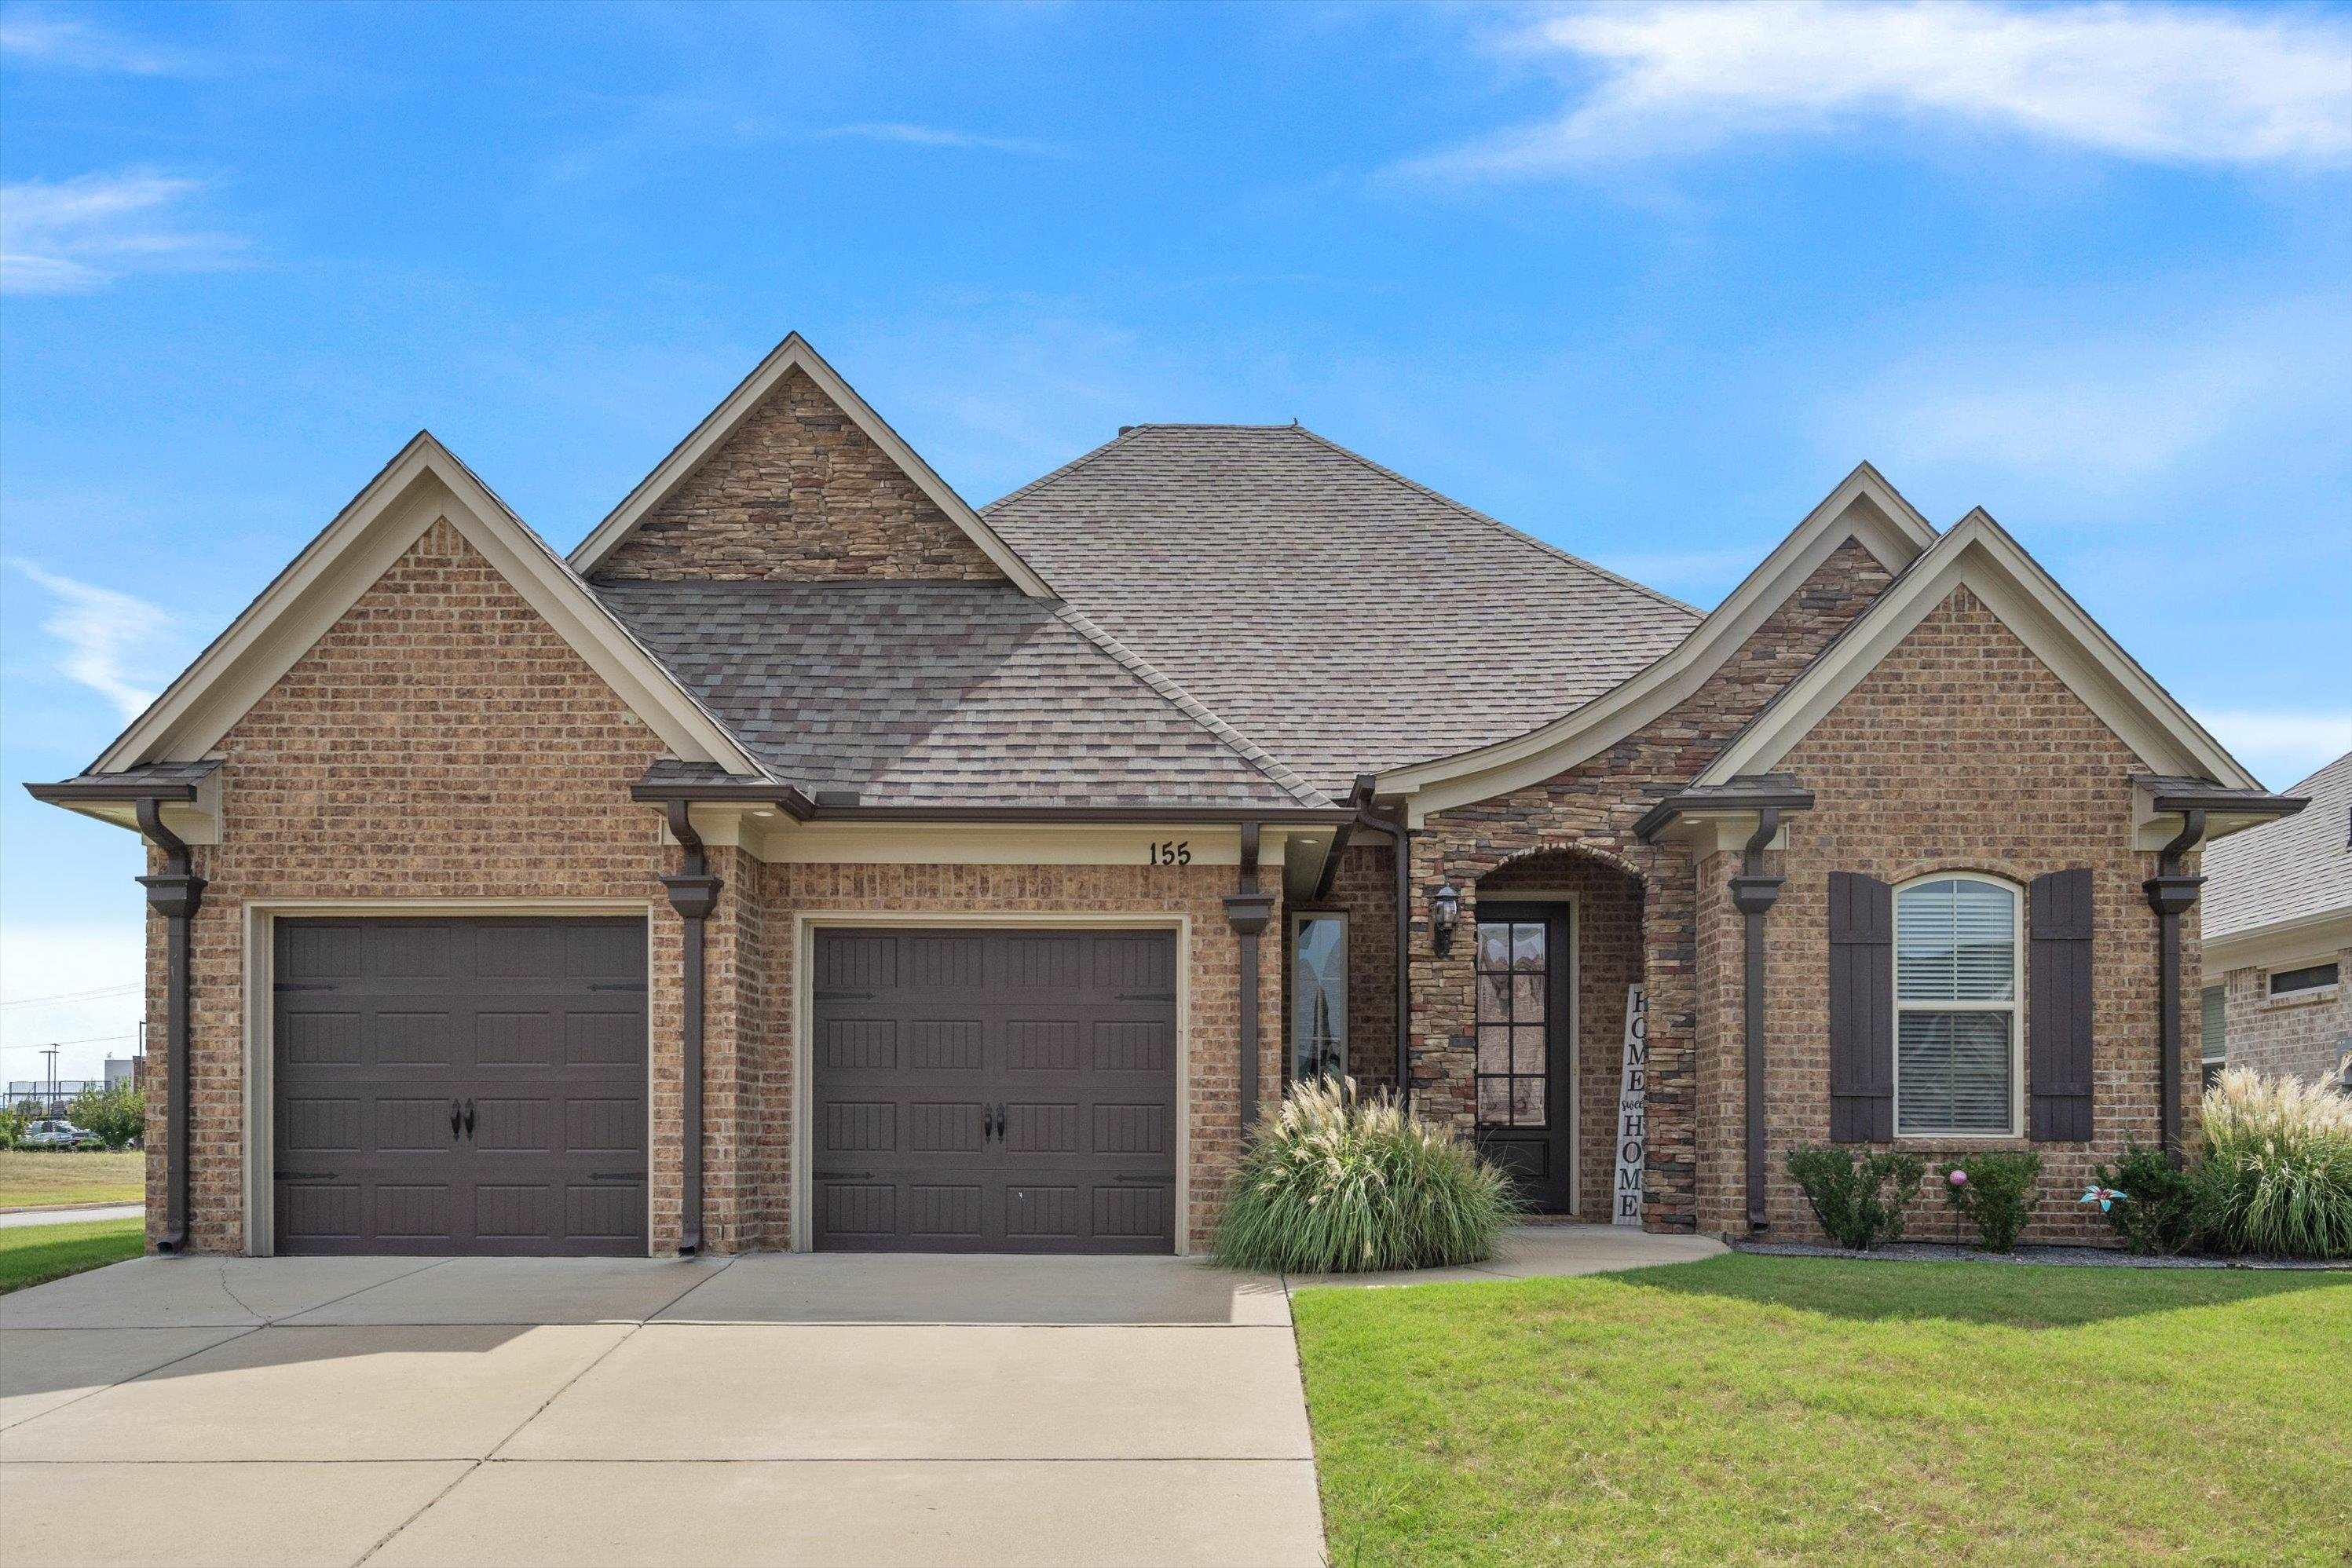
1753 894
2171 893
175 895
692 893
1248 911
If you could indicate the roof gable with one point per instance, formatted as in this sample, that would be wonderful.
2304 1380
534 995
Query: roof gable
1863 507
1979 554
794 355
424 483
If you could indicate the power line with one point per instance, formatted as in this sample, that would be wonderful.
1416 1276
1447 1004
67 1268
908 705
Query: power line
70 996
89 1039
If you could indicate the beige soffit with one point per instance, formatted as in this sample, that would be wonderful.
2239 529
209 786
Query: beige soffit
795 353
1863 507
423 484
1979 554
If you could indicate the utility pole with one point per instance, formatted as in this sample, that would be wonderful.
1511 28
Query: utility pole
50 1056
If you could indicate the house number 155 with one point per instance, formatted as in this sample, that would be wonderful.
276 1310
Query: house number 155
1172 852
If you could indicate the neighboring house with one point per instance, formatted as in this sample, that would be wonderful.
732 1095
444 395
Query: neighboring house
2277 910
810 859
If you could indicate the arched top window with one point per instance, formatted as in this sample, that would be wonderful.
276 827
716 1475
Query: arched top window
1958 978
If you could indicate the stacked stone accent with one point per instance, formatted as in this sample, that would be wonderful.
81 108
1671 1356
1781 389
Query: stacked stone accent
1590 810
798 493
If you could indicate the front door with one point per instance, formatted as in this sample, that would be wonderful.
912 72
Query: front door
1523 1074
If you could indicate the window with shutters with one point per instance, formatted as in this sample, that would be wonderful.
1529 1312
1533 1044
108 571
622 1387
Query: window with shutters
1957 1041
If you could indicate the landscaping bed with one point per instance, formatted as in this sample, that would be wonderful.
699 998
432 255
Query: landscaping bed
1759 1408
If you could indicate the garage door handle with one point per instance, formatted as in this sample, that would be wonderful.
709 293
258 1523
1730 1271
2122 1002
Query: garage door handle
469 1118
456 1117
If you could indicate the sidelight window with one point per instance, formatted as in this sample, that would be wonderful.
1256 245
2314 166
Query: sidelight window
1956 1008
1318 996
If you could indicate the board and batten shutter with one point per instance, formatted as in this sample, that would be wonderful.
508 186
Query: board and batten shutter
1861 1009
2058 1007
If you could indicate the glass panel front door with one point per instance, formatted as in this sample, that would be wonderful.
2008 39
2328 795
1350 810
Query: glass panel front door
1521 1076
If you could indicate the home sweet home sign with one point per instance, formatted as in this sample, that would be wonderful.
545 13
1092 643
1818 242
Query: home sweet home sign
1632 1111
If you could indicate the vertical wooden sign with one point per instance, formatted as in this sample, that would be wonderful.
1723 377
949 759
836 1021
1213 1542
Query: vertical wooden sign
1632 1111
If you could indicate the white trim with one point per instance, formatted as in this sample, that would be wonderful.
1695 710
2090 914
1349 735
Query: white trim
795 353
807 923
1863 507
2324 991
1290 990
1980 556
423 485
2014 1007
258 929
2279 944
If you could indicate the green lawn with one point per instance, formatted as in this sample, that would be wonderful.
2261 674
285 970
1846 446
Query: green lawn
1755 1409
35 1178
36 1254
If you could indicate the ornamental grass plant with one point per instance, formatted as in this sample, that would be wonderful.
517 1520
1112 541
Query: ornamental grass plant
2277 1173
1336 1183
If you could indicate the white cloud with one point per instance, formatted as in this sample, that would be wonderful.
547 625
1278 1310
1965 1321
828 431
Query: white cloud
2279 745
933 136
108 639
68 236
2104 409
2162 83
38 37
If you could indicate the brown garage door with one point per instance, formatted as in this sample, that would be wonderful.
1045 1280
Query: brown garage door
460 1086
994 1092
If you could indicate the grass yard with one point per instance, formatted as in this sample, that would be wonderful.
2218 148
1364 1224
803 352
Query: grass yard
37 1178
36 1254
1755 1409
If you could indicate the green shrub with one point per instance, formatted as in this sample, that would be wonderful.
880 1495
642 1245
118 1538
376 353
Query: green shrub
1996 1193
12 1126
2156 1214
2277 1173
1332 1183
117 1114
1858 1197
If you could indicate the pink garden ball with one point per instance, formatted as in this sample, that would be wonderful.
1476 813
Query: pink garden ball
1959 1177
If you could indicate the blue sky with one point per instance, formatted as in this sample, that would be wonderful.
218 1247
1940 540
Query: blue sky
1644 281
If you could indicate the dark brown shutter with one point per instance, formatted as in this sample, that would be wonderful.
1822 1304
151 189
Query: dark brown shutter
1861 1009
2058 1007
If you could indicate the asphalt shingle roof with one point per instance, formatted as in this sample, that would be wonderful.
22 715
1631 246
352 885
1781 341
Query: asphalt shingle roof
942 693
2292 868
1336 614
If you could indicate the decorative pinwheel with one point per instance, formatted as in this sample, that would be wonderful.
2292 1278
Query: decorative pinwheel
2106 1198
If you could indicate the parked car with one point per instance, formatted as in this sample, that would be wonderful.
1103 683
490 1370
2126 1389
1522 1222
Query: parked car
56 1132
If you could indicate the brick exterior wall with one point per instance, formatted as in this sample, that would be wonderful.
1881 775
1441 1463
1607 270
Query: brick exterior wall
1590 810
1961 751
798 492
440 741
2301 1035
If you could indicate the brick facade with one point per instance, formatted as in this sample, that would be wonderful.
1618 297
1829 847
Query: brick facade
1960 751
798 492
1590 811
2301 1035
440 742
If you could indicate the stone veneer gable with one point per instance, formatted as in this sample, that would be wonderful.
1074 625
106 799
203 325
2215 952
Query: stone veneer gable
797 492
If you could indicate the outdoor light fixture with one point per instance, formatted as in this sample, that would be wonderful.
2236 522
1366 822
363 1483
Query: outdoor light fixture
1444 915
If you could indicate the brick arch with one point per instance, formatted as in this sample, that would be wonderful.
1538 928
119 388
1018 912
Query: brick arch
1525 863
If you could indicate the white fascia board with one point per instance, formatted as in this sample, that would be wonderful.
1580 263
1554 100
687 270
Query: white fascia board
1863 507
795 353
1979 554
420 486
2280 945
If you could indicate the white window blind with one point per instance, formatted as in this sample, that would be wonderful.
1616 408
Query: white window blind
1956 988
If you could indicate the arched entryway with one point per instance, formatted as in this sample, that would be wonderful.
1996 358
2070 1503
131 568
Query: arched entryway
1555 944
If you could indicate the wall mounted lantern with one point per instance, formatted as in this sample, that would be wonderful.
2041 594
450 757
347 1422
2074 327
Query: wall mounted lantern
1444 915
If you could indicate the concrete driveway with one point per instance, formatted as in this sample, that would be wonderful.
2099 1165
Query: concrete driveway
768 1409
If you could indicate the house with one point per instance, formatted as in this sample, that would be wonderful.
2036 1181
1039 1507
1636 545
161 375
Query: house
2278 916
810 859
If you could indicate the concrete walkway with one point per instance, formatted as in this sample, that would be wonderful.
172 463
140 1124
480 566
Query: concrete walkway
772 1409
